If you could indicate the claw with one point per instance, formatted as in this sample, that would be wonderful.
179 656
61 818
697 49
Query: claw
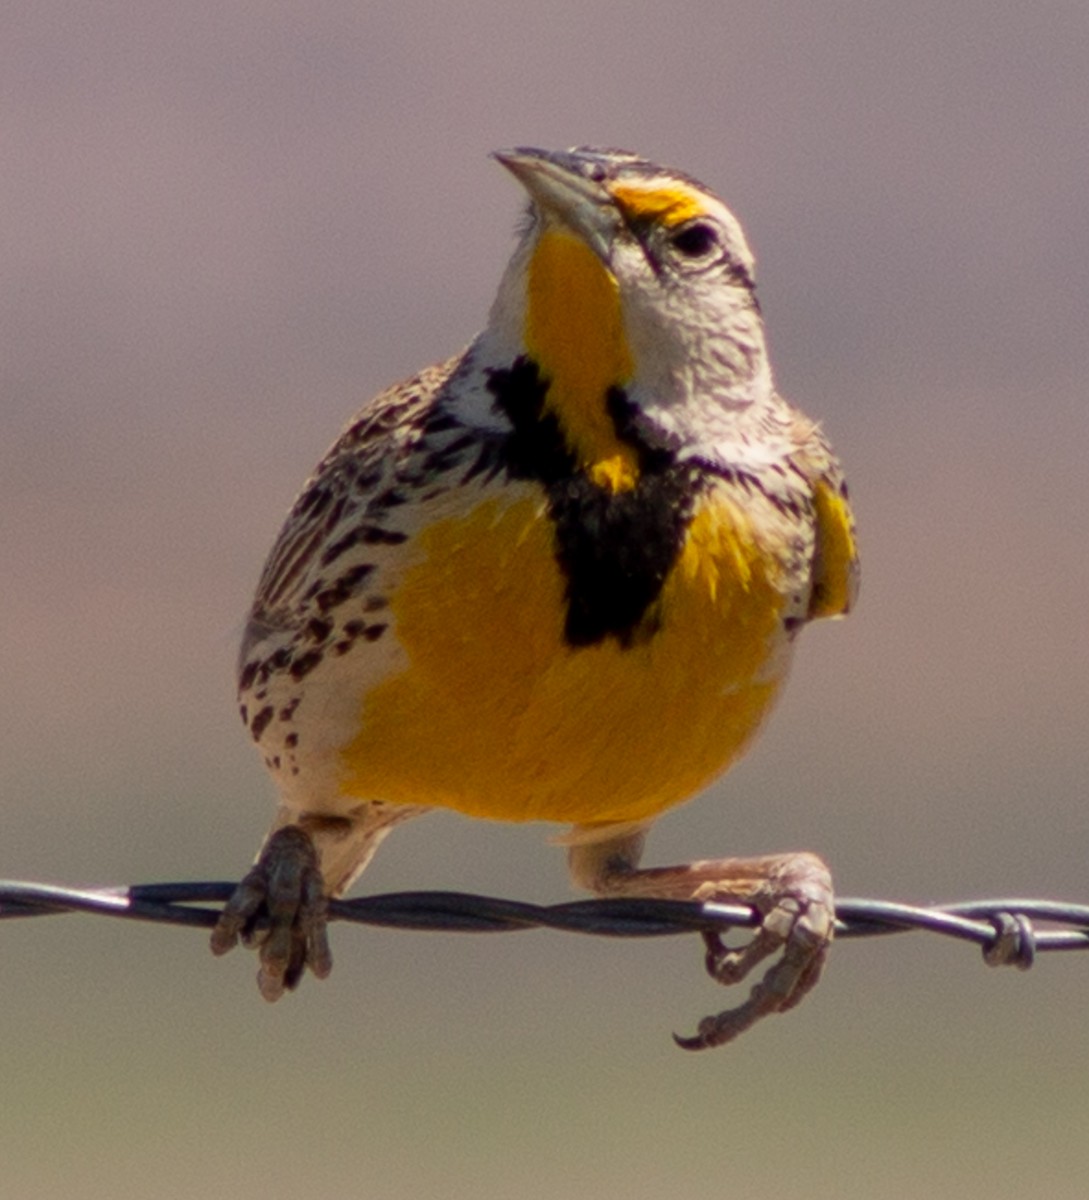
791 893
801 922
280 909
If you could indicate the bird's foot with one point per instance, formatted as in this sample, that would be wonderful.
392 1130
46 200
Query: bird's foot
279 909
798 918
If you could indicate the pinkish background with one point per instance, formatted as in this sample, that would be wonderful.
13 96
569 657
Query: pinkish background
223 226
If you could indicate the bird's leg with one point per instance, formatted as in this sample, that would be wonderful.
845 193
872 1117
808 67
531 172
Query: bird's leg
280 906
791 892
279 909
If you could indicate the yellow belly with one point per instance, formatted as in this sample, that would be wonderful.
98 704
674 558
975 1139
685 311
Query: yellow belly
496 716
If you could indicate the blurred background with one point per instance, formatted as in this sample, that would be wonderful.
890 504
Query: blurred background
224 227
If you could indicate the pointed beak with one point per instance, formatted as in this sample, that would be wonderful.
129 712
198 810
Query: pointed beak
563 188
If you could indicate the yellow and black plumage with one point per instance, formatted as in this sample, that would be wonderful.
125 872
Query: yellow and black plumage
556 578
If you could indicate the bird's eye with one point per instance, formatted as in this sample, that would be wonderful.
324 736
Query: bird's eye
695 240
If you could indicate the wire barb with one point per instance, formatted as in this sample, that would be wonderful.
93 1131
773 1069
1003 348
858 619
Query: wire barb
1005 930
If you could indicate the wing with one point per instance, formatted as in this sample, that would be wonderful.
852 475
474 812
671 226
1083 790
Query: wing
347 502
835 569
835 558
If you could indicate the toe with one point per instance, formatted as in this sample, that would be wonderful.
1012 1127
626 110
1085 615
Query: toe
280 909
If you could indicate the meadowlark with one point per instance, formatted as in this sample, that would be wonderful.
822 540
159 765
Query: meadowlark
557 577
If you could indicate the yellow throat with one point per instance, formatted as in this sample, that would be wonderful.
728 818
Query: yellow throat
575 333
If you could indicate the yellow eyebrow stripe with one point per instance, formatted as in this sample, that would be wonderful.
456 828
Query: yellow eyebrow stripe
672 205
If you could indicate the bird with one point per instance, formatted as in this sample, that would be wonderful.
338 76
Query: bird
557 578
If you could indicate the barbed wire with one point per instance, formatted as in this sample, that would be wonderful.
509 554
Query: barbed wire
1006 930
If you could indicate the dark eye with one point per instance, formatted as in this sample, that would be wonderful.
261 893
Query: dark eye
695 240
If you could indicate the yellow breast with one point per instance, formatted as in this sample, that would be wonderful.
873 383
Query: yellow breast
497 716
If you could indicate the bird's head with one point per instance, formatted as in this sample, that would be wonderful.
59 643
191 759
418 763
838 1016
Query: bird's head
631 275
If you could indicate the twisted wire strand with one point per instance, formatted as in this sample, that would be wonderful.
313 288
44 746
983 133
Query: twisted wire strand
1006 930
